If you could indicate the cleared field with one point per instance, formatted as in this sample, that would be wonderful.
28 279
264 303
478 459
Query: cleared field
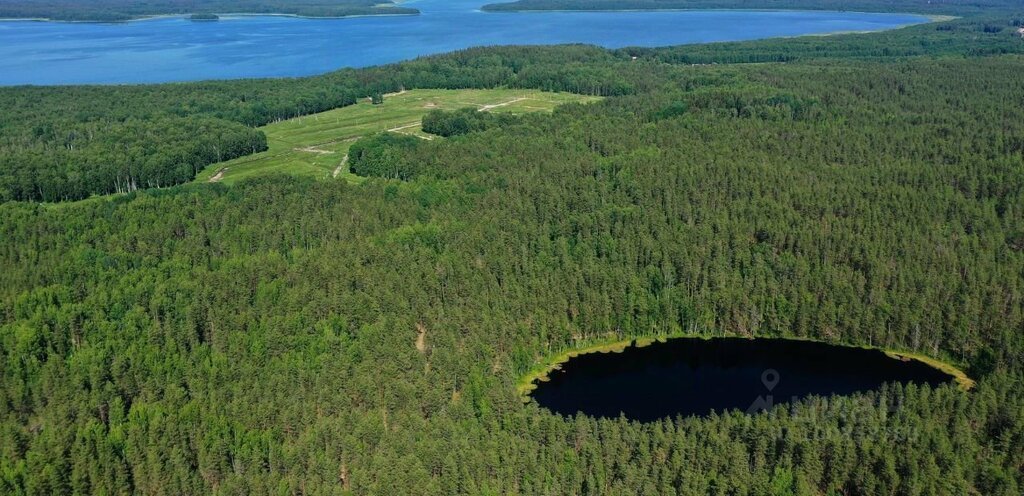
316 145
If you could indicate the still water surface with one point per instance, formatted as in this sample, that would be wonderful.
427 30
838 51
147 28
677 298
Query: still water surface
177 49
691 376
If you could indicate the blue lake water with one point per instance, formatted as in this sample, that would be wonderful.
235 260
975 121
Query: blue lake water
177 49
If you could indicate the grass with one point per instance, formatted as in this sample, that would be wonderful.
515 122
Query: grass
961 378
316 145
541 372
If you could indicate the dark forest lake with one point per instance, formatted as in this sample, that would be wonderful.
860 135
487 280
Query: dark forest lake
694 376
177 49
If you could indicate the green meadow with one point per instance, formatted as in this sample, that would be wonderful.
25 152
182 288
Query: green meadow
317 145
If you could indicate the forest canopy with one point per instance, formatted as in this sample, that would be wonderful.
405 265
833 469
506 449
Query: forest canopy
959 7
65 143
463 121
123 10
300 336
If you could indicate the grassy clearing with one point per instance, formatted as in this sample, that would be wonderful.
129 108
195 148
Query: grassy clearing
541 372
316 145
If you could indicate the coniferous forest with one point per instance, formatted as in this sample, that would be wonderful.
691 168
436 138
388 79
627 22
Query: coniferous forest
295 336
123 10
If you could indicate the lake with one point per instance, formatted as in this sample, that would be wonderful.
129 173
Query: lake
177 49
693 376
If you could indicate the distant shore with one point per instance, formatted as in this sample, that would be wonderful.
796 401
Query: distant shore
188 15
228 15
930 17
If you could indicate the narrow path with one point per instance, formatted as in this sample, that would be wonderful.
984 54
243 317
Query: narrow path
338 169
218 176
404 126
312 149
485 108
426 138
421 338
407 126
333 141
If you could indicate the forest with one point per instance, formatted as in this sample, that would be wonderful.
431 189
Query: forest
65 142
124 10
942 7
463 121
286 335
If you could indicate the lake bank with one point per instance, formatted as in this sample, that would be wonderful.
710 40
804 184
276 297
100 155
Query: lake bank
541 372
114 11
651 378
188 16
173 48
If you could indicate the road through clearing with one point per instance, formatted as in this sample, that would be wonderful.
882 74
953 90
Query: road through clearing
316 145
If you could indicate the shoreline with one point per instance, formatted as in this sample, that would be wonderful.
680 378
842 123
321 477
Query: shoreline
920 19
526 383
931 17
928 18
186 16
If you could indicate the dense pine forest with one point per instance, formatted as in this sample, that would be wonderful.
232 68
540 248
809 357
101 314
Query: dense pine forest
124 10
942 7
295 336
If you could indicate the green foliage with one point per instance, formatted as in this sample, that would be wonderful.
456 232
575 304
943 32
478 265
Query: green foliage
67 161
316 145
463 121
961 37
54 137
68 143
383 155
291 336
922 6
123 10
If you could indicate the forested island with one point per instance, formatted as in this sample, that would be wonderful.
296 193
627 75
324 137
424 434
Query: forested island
364 333
124 10
918 6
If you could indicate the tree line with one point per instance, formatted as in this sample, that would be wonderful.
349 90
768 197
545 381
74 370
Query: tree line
294 336
48 134
961 7
124 10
